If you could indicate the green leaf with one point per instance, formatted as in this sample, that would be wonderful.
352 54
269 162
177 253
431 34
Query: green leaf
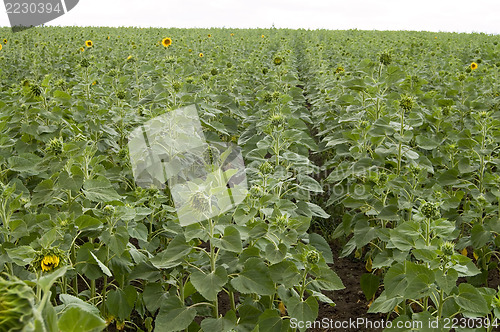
231 241
327 279
174 316
100 190
153 296
75 319
426 143
303 311
317 211
48 280
21 255
173 255
470 300
121 302
275 255
255 278
308 183
87 222
285 273
103 267
396 280
389 212
222 324
270 321
209 285
369 284
384 304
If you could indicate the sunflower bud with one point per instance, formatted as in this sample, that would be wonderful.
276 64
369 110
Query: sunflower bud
406 103
312 257
121 94
277 120
266 168
385 59
55 146
429 210
448 248
277 61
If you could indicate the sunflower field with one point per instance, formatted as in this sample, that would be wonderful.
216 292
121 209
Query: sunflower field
383 146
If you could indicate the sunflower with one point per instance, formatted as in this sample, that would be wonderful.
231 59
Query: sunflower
82 49
5 41
473 66
89 43
0 47
209 36
262 36
232 34
200 55
49 262
166 42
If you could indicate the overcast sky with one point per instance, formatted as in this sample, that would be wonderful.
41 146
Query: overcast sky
428 15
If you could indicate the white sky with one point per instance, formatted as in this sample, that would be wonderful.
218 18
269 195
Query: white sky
429 15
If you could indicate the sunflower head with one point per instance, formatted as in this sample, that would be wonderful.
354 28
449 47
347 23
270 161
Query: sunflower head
209 36
0 47
448 248
48 260
277 61
89 43
200 55
429 210
473 66
82 49
166 42
406 103
5 41
385 59
262 36
232 34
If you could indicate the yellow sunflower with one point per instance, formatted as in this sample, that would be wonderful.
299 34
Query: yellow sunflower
201 55
473 66
262 36
232 34
89 43
0 47
82 49
5 41
49 262
209 36
166 42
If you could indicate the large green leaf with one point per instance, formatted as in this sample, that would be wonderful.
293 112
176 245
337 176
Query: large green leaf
209 285
222 324
75 319
470 300
173 255
121 302
231 241
100 190
303 311
174 316
255 278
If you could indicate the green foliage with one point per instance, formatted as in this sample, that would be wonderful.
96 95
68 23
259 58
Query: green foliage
365 136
